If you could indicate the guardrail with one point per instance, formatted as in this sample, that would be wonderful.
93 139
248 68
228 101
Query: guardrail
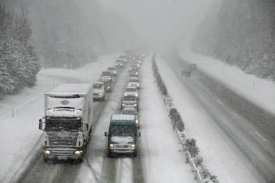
189 145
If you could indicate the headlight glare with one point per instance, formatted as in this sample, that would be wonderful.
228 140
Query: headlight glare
78 152
46 152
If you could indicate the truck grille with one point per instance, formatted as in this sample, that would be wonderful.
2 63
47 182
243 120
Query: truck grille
123 146
62 152
58 140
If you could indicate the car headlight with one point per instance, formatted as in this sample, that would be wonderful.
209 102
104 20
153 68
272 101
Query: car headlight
137 121
136 94
111 146
129 84
123 104
109 78
115 72
46 152
102 78
101 94
133 146
135 104
78 152
108 87
136 72
125 94
137 84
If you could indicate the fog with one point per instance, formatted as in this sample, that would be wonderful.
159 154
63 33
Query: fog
160 24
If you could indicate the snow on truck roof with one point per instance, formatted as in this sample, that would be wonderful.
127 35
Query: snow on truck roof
70 89
122 117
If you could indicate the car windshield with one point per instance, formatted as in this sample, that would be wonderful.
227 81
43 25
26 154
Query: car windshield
98 86
106 74
62 125
131 90
129 98
132 112
134 69
133 80
119 61
111 68
123 130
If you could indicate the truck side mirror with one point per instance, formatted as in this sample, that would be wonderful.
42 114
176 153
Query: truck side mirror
105 133
40 120
139 134
84 127
41 125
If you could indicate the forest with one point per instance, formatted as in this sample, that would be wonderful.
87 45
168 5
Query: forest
18 60
55 34
240 33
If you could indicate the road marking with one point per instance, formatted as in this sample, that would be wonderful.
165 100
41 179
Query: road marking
236 115
260 135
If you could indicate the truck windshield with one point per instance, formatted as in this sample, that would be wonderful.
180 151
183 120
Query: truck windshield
123 131
61 125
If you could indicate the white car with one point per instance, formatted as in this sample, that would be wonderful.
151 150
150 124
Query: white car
119 63
134 81
98 91
106 76
129 102
134 71
112 70
131 91
137 63
131 111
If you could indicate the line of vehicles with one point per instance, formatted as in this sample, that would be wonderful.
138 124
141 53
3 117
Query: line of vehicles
123 130
68 117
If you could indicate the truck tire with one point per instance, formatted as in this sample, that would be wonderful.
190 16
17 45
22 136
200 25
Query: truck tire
135 154
110 155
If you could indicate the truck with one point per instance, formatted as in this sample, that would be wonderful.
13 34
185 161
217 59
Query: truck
68 120
122 135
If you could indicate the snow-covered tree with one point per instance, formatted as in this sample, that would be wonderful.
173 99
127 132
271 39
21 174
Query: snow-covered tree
19 64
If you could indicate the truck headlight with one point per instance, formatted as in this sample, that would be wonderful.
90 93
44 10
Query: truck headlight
133 146
46 152
78 152
111 146
137 121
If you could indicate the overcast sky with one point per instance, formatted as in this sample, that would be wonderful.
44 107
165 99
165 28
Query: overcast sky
159 22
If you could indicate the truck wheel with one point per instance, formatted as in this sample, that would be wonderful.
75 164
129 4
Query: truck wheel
135 154
110 155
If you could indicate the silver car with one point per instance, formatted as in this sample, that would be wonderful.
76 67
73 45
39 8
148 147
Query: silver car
112 70
131 111
134 81
129 102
